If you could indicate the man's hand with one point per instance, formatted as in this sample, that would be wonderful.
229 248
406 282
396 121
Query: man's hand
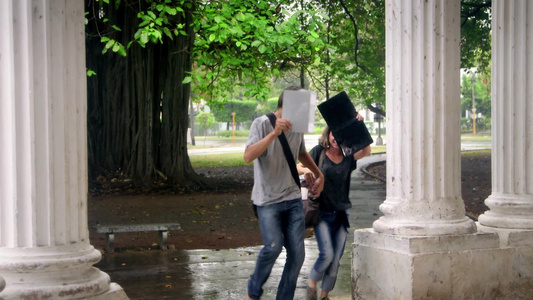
282 125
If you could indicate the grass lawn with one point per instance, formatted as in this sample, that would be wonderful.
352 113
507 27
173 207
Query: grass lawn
236 159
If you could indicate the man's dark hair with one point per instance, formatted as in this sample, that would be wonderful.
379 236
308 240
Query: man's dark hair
290 88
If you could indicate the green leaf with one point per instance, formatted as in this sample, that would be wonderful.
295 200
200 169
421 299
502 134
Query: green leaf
116 46
144 38
171 11
186 80
212 37
122 51
109 44
167 32
90 72
138 33
104 39
116 27
145 22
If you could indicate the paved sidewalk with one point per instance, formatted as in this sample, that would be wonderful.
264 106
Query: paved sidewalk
223 274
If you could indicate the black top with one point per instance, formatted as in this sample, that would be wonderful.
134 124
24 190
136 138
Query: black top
335 196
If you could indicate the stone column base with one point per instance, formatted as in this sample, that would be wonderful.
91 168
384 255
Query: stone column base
470 266
115 293
61 272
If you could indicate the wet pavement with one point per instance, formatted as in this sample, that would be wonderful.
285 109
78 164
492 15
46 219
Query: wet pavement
223 274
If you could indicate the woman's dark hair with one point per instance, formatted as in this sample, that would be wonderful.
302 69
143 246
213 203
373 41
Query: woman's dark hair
290 88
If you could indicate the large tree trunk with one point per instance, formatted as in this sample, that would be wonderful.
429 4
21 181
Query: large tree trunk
137 123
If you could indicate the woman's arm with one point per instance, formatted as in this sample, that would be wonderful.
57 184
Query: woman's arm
308 175
362 153
309 163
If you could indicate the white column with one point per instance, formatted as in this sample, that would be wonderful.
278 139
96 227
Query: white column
424 247
423 121
511 201
45 252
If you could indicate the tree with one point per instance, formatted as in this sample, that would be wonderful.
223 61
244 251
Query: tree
482 94
354 60
205 120
138 101
137 106
475 34
244 111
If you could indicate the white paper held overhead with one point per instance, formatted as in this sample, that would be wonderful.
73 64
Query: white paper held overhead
299 108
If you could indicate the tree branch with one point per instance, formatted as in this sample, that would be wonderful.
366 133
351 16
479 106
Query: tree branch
356 33
376 110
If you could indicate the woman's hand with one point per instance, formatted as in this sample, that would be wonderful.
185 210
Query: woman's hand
309 177
317 187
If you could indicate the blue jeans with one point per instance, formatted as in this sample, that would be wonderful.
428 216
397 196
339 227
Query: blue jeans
331 233
282 225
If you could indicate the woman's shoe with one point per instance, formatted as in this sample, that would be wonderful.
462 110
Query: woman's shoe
311 293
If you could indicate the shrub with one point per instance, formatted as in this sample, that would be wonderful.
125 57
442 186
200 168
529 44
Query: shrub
229 133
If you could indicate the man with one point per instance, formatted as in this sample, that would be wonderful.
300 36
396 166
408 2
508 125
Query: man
277 199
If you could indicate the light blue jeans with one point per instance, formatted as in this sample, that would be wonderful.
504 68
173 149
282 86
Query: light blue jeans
331 233
282 225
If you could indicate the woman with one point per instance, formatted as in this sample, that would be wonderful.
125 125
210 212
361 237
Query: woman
332 230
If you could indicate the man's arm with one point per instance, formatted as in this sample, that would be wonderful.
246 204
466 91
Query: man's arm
255 150
309 163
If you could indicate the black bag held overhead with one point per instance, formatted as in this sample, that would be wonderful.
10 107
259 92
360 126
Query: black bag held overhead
350 133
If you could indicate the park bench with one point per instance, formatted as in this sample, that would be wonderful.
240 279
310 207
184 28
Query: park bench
110 231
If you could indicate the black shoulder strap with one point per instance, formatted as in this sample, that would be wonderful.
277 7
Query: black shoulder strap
321 159
286 150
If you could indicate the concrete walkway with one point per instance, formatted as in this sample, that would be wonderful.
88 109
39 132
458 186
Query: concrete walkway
223 274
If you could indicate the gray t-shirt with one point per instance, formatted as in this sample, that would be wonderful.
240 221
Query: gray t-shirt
273 182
